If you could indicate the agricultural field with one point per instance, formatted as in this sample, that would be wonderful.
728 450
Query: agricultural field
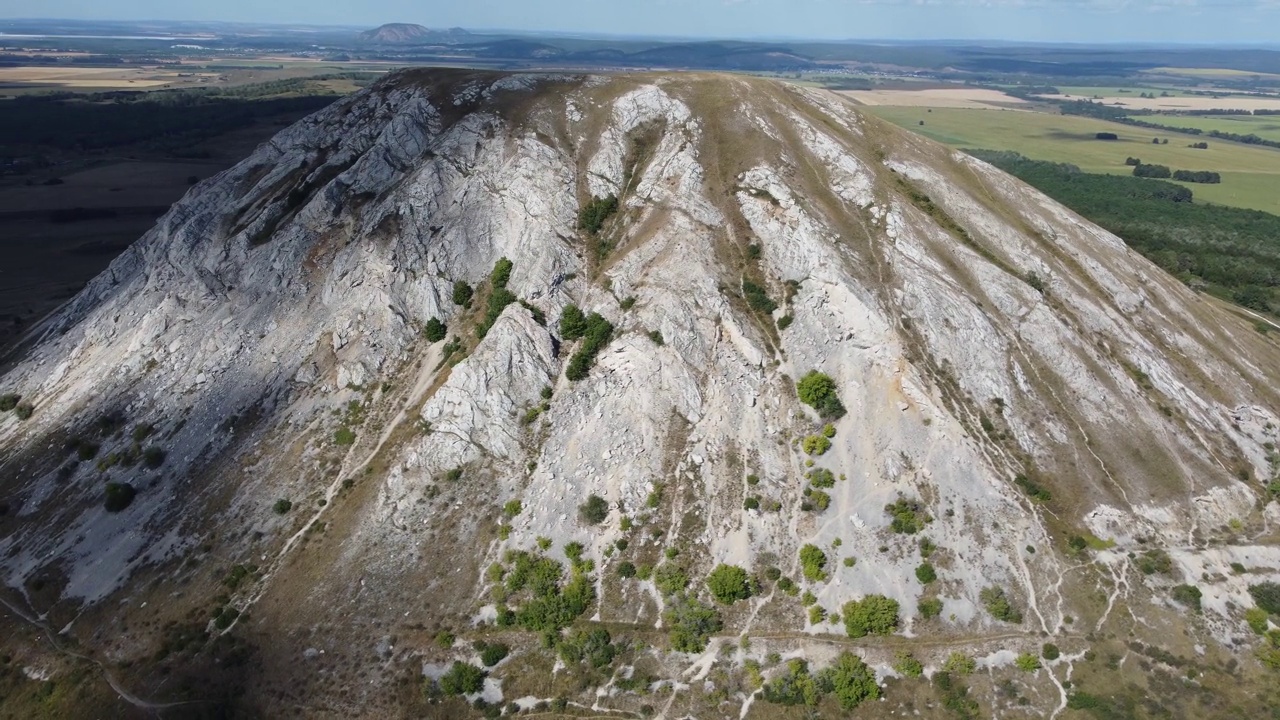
1183 103
949 97
1264 126
1250 174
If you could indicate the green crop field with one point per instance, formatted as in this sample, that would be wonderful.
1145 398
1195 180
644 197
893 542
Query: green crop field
1115 91
1250 173
1264 126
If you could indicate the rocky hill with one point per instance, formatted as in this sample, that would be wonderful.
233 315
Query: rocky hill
408 33
656 395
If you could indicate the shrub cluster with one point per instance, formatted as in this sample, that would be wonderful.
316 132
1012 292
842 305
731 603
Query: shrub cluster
551 604
594 510
597 332
873 615
757 297
592 216
908 516
435 331
118 496
728 584
849 679
499 296
813 562
1197 176
819 392
692 624
997 603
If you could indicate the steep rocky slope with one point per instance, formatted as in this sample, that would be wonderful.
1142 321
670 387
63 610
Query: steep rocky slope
257 478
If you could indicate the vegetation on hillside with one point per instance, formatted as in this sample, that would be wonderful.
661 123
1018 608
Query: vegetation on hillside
1228 251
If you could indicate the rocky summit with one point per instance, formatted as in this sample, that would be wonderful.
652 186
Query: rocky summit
670 396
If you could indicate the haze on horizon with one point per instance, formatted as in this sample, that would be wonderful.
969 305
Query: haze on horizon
1097 21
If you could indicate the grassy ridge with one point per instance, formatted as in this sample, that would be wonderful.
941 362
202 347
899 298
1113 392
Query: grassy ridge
1231 252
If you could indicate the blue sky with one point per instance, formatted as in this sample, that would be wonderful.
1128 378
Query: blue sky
1181 21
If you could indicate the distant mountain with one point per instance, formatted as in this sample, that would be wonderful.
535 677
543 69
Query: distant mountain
405 33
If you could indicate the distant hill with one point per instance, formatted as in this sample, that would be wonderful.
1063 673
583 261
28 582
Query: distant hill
407 33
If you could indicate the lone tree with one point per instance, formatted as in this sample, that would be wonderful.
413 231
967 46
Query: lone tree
818 391
728 584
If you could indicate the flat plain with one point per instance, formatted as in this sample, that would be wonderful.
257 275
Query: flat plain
1264 126
1250 173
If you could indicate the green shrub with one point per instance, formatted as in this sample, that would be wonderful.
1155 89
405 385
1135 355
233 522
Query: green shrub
512 508
118 496
626 569
808 598
1155 561
142 431
757 297
692 625
670 579
908 516
435 330
656 337
462 293
850 562
817 614
598 333
728 584
462 679
1027 662
926 547
23 411
498 301
153 457
785 321
628 302
501 273
9 401
794 687
850 680
930 608
1257 620
960 664
594 510
1050 652
751 503
282 506
819 500
908 665
816 444
819 392
873 615
925 573
592 216
445 639
997 603
1030 487
822 478
343 436
573 324
595 647
492 653
1266 596
813 561
1188 595
829 430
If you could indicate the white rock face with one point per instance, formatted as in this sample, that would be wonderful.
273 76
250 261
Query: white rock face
272 297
